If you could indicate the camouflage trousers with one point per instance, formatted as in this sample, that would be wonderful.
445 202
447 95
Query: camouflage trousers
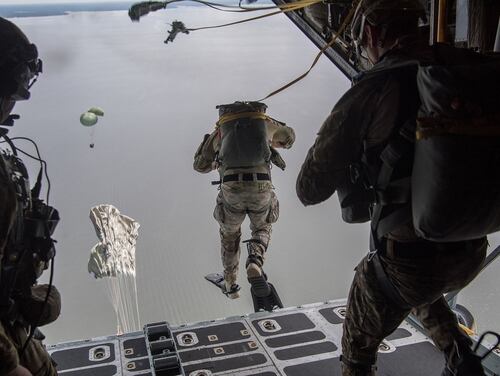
235 201
422 272
35 357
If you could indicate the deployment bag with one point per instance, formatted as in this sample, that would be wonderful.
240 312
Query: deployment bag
456 169
451 151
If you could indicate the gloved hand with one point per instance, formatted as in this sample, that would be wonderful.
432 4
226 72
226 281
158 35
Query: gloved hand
276 159
31 307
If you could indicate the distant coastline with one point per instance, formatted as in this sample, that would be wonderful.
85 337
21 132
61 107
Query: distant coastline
43 10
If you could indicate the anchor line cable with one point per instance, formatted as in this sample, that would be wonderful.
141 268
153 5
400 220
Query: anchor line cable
283 9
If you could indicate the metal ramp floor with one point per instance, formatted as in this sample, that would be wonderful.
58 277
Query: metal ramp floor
300 341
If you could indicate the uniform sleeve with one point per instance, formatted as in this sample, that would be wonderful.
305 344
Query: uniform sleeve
280 135
206 152
338 144
364 117
8 354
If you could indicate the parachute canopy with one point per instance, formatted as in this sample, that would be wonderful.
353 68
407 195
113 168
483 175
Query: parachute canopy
90 117
115 254
113 261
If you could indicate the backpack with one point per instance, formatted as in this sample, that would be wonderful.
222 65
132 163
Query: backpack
456 168
452 149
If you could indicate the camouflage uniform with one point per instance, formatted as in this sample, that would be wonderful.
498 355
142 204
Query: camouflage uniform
13 333
361 123
234 201
19 65
237 199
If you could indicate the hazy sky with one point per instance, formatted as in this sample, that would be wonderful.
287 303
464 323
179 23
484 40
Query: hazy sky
159 100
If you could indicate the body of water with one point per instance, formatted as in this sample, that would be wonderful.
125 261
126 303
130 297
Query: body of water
159 101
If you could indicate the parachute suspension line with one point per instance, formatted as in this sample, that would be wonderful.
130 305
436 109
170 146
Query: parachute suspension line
347 20
113 260
122 292
283 9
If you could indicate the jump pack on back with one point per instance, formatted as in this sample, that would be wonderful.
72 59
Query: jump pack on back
453 191
243 134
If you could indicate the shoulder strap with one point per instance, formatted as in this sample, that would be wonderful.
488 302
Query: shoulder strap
389 191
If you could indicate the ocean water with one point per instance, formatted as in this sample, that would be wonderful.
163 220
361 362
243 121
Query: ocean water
159 100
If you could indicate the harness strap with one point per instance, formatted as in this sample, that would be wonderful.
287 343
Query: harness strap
386 285
241 115
390 156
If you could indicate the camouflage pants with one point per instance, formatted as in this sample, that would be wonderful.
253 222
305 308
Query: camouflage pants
234 202
422 272
35 357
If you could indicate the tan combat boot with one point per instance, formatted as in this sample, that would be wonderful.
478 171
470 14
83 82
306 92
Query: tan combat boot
258 280
232 290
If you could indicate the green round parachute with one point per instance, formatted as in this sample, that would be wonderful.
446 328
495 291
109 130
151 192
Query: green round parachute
97 111
88 119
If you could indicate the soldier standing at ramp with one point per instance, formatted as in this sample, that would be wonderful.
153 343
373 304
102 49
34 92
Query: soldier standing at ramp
242 148
370 141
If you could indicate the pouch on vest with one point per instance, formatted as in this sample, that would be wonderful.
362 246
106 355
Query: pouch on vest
455 177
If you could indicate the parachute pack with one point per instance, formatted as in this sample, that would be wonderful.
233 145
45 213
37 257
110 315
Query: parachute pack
243 134
453 193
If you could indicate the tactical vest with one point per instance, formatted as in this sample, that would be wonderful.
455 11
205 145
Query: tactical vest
243 138
29 245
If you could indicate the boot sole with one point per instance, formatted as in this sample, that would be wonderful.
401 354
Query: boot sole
260 286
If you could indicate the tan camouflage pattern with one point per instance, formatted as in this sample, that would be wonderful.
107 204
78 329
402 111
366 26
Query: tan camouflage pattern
422 272
235 201
35 357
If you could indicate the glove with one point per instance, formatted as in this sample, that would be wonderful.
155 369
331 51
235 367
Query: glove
276 159
31 307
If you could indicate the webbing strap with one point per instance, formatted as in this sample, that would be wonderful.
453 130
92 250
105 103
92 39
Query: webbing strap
240 115
386 285
390 156
430 127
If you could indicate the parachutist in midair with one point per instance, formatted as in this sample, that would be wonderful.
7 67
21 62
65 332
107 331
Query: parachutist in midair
242 149
177 27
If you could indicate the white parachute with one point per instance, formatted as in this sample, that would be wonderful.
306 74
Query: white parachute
113 260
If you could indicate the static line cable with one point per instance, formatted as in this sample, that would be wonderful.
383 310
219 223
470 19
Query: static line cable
140 9
295 6
43 163
316 59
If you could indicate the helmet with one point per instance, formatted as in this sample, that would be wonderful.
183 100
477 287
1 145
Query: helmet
19 62
383 13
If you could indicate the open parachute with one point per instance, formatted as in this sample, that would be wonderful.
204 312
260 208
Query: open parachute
113 261
89 119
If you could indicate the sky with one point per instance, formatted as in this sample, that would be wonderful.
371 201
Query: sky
159 100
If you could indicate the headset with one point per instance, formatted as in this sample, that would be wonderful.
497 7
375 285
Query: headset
19 70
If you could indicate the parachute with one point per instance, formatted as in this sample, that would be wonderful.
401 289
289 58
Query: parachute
113 261
89 119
